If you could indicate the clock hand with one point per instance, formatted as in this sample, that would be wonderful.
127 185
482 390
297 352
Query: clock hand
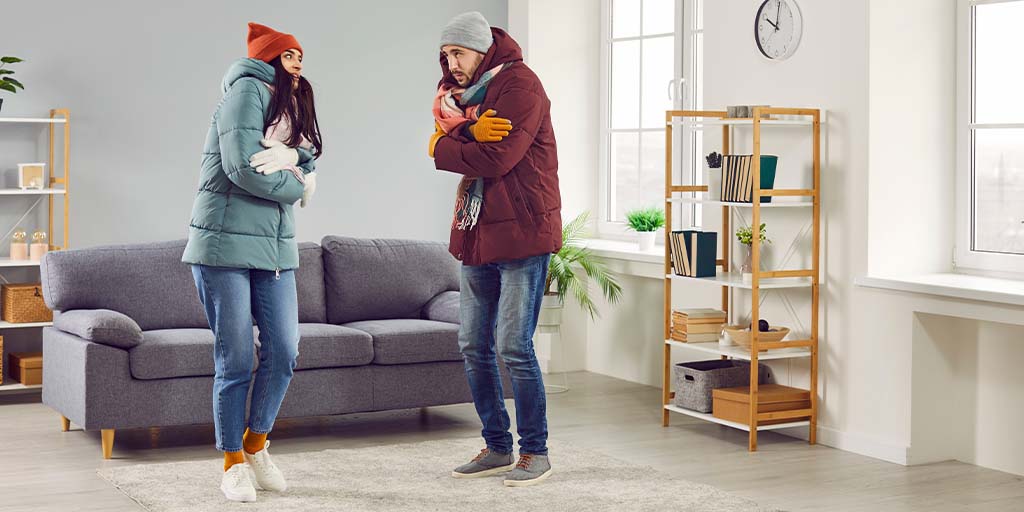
772 24
778 8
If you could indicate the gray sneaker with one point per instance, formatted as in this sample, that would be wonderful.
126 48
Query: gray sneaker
486 463
531 470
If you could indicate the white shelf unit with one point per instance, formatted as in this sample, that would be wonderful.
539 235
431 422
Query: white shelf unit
712 202
57 189
735 280
31 192
795 279
733 424
743 354
34 120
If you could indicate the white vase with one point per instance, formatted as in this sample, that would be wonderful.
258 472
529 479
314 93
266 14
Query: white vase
713 179
646 240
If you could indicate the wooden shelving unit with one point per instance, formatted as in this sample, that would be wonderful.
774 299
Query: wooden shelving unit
57 190
806 278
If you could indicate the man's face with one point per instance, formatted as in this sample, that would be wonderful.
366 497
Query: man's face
462 62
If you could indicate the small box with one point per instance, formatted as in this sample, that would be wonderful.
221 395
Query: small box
733 404
32 176
26 367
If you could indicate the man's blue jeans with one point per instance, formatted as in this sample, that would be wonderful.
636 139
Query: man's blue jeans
499 308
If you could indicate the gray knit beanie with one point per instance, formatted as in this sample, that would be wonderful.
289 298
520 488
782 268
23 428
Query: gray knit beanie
468 30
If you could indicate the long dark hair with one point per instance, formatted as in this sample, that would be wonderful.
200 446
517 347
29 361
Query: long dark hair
297 105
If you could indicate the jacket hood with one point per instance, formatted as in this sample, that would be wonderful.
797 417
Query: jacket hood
247 68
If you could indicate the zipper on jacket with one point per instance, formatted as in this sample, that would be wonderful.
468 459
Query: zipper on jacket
277 274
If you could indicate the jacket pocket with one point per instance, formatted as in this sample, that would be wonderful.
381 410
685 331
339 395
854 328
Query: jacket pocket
524 214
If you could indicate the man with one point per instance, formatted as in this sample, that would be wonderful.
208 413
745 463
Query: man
506 225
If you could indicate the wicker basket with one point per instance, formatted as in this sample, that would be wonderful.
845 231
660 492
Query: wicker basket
741 335
696 380
23 303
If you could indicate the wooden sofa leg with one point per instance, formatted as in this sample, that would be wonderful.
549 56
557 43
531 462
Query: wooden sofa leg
65 424
108 442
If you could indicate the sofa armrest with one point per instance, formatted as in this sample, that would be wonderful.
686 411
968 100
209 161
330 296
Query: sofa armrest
443 308
102 326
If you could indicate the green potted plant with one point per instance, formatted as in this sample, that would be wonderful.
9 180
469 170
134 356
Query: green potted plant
746 237
645 221
8 82
565 279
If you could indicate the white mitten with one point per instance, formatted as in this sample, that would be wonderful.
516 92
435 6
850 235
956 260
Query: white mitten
309 188
277 157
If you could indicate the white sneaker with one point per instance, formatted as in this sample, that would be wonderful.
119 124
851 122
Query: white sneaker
268 477
237 484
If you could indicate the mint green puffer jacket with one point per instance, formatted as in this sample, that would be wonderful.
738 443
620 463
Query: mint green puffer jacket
240 218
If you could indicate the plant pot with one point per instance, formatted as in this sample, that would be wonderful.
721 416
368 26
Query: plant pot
645 239
550 312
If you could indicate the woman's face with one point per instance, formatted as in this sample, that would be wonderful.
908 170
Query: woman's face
291 61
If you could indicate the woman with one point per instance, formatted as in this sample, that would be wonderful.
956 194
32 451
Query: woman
242 246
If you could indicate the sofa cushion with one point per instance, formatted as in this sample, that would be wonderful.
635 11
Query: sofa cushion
309 282
443 308
384 279
169 353
147 282
409 341
100 326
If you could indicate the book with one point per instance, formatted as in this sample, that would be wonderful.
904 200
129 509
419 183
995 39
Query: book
704 254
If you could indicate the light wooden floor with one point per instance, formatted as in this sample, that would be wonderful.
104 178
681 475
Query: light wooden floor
45 469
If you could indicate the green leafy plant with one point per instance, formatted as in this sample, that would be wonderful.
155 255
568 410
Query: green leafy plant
746 235
646 219
562 275
7 82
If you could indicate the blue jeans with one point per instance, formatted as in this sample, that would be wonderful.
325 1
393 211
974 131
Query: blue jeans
499 308
232 297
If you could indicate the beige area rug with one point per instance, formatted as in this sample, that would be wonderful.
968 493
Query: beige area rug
416 477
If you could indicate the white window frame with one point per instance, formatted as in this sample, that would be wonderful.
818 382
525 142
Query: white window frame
966 259
618 230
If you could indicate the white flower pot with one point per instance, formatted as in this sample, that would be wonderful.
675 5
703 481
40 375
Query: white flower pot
550 313
713 179
646 240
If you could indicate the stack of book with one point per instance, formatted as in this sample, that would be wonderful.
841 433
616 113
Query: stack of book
694 253
738 180
697 325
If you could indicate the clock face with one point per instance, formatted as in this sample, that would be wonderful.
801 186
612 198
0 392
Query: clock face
777 28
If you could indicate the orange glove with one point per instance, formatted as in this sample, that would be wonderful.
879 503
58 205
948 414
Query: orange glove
489 128
438 133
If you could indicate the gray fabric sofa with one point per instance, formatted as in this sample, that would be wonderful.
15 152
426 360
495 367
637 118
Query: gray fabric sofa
131 348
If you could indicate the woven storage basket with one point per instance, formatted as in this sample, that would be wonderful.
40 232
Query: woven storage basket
23 303
694 381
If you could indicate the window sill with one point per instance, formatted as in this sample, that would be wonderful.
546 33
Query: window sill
614 249
959 286
626 258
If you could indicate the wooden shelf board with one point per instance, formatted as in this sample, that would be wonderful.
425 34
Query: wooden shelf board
735 280
741 353
733 424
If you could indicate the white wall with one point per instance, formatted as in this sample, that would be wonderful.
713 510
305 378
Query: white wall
142 79
891 362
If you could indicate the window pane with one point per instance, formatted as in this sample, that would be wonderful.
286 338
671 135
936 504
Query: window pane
998 72
625 18
625 169
697 73
658 71
659 17
625 94
998 216
652 170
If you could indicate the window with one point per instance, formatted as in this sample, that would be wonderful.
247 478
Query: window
644 73
990 136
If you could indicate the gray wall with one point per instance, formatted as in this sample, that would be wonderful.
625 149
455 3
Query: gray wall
142 78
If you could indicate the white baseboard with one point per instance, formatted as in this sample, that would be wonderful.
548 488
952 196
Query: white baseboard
855 443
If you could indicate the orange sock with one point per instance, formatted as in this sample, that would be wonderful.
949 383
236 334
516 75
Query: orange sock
232 458
253 442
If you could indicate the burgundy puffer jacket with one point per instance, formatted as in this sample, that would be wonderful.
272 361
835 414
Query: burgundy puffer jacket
522 208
